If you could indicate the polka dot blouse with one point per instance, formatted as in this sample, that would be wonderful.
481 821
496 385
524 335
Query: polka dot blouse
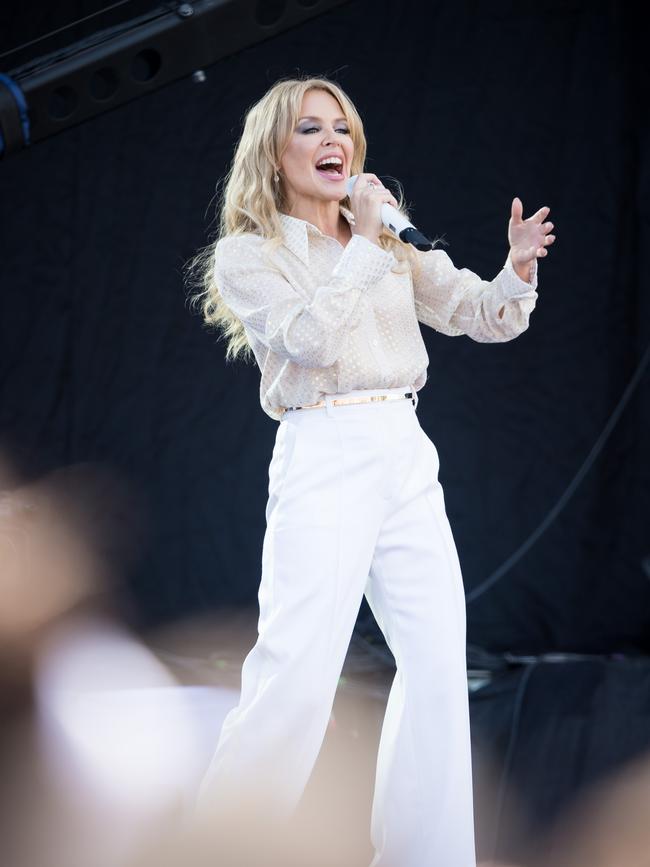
324 319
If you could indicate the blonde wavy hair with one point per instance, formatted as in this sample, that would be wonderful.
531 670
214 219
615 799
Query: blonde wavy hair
250 201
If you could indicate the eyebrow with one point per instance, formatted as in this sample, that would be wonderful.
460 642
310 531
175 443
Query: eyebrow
336 120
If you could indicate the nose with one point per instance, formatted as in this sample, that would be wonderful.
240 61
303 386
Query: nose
331 135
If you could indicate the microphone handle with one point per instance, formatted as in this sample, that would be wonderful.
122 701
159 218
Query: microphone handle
400 226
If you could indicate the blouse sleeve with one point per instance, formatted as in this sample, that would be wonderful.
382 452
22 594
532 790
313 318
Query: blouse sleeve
457 301
310 333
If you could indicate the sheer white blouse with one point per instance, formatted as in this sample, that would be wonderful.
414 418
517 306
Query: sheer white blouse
324 319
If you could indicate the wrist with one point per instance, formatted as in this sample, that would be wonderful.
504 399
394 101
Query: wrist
523 270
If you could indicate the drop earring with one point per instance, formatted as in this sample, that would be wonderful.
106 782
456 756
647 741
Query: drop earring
276 177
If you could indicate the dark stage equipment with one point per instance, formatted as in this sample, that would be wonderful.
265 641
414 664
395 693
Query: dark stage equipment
114 65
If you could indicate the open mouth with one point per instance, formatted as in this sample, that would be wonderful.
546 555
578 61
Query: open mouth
331 171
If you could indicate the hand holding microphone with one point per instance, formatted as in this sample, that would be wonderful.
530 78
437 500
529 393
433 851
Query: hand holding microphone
373 205
366 199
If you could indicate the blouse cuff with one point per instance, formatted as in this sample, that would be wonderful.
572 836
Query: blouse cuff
362 264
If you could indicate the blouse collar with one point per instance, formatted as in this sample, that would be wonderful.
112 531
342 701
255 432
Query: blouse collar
296 233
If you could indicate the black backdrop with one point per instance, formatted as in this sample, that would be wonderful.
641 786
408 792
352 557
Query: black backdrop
468 104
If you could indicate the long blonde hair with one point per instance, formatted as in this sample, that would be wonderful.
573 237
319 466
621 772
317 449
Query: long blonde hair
251 201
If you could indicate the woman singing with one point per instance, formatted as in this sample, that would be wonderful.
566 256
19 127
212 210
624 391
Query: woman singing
329 302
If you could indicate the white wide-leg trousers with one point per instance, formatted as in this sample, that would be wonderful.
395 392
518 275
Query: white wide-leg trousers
354 507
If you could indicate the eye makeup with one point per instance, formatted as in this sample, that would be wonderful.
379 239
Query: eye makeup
310 128
304 125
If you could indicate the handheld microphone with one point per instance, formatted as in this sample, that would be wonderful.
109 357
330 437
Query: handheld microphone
396 222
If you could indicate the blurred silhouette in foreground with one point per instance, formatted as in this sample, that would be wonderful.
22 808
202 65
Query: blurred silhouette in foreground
102 744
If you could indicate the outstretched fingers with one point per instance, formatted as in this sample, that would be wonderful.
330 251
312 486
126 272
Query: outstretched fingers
540 215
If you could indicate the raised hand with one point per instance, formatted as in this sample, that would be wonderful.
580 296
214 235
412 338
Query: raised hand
528 238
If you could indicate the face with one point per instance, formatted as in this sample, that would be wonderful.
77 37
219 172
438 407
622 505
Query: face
321 131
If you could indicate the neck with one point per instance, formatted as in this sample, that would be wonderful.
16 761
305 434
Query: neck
324 215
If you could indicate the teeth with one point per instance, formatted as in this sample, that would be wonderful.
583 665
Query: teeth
329 161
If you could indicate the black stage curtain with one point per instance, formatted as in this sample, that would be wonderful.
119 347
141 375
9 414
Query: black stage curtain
467 104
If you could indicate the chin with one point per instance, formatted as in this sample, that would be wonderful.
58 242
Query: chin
333 195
